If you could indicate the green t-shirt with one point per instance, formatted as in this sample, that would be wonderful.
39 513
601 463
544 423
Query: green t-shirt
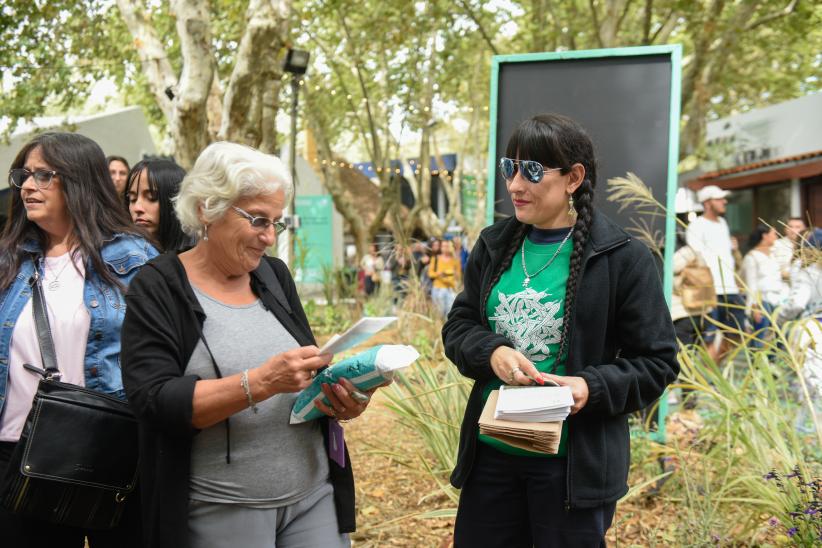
531 318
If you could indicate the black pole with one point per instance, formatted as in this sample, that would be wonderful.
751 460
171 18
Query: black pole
295 98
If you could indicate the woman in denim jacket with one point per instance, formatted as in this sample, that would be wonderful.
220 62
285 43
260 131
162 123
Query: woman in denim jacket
68 227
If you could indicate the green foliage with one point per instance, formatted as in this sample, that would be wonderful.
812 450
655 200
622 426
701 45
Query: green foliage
430 400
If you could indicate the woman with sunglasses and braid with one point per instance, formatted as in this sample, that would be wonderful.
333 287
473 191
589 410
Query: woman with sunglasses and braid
559 293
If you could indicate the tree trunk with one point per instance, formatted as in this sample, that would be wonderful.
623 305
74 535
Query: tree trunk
189 125
155 63
334 184
249 104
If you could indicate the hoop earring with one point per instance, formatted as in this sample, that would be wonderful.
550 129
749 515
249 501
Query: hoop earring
572 212
205 233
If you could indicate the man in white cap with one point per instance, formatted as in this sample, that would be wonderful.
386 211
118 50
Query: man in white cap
709 236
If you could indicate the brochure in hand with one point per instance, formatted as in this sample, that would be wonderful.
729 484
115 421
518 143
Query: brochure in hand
365 370
540 437
534 403
358 333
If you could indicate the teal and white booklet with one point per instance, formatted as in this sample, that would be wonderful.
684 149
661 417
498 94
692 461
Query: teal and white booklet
365 370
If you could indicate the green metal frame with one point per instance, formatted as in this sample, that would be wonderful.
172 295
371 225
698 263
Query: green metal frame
675 51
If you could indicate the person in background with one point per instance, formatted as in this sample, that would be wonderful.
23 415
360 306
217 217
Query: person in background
765 288
118 169
372 266
804 304
152 186
216 346
708 235
688 322
68 226
460 251
400 265
558 293
422 259
445 273
784 249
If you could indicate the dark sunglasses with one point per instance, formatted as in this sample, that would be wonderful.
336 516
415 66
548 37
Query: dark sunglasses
531 170
42 178
262 223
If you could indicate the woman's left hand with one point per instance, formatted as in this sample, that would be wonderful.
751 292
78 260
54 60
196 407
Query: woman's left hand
579 389
344 404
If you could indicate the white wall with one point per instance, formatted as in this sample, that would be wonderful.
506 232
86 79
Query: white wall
123 133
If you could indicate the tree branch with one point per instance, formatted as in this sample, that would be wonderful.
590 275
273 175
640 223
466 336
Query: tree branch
595 22
375 145
787 10
156 66
471 15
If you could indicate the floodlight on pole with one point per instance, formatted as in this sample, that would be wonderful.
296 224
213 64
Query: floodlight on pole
296 64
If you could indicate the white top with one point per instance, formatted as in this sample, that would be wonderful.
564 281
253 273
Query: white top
712 240
782 253
69 320
805 298
763 279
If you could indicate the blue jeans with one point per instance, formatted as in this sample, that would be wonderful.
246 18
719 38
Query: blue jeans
443 298
729 311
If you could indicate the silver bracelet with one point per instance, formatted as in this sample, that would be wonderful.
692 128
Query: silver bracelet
247 389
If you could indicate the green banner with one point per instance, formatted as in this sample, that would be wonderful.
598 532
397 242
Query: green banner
314 247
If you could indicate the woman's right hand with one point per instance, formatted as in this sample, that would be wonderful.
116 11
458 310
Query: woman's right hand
290 371
512 367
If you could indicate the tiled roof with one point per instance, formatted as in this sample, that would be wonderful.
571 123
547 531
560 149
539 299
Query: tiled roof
759 165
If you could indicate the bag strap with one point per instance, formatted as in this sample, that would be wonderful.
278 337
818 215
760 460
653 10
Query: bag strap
41 322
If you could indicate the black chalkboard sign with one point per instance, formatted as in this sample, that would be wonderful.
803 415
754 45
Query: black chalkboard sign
628 101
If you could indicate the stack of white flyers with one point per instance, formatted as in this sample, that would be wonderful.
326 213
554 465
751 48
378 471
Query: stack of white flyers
533 403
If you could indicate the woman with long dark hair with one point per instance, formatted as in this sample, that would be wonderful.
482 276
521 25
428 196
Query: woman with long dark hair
118 169
68 228
152 184
557 292
764 286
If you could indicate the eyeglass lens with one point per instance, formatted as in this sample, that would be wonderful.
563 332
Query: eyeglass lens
531 170
42 178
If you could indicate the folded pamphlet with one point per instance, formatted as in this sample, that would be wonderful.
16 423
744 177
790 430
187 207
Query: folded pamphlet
540 437
534 403
358 333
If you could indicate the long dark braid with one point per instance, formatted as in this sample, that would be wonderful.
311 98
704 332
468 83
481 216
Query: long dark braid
510 251
583 202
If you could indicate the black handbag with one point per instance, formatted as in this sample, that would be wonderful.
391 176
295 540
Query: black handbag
76 461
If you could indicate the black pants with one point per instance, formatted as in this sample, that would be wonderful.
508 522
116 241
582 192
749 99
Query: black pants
519 502
22 532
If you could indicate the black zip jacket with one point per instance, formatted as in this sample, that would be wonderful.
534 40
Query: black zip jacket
621 342
160 331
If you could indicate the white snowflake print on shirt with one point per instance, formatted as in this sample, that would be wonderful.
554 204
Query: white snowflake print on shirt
528 322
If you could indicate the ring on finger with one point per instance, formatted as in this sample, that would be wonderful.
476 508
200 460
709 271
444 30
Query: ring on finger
513 374
359 397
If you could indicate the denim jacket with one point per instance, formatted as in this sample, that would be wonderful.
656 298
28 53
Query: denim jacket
124 255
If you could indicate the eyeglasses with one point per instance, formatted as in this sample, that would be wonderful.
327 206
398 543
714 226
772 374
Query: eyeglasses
262 223
42 178
531 170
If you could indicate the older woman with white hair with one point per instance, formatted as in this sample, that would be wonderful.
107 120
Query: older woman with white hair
215 345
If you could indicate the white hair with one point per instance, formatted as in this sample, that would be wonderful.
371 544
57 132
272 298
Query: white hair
224 173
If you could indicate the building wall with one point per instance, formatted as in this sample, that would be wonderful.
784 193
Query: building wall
122 133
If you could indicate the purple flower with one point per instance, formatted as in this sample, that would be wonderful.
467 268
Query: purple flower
811 511
791 531
770 475
773 522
